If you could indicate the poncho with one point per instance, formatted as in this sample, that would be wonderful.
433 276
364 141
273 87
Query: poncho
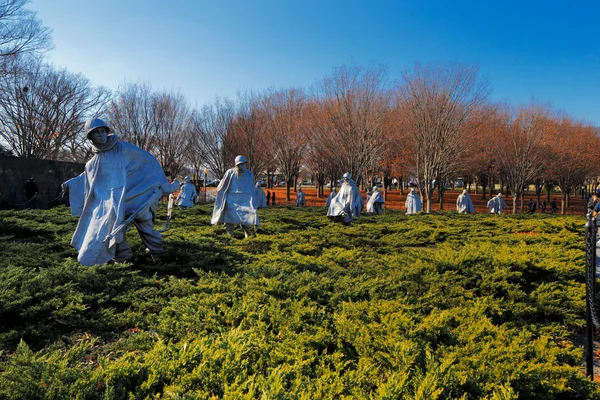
348 202
236 199
118 180
187 194
261 199
413 203
375 197
464 204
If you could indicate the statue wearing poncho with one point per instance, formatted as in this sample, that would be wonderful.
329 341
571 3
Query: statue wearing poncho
347 204
413 202
497 204
261 199
120 179
464 204
375 202
187 194
236 199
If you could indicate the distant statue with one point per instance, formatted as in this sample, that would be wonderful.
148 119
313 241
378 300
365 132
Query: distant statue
187 195
413 202
300 198
236 199
464 204
375 202
331 196
497 204
347 204
121 184
261 200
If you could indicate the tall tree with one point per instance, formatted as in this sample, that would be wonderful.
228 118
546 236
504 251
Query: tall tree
210 137
130 114
288 132
519 146
437 103
355 100
172 126
248 132
21 32
42 110
572 149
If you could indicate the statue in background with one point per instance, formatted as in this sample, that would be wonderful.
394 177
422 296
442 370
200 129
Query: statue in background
187 195
261 200
413 202
375 202
236 199
497 204
347 204
464 204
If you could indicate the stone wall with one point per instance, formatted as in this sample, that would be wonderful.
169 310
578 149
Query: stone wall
48 175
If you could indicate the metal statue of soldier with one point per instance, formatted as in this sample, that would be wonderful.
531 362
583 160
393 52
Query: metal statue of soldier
236 199
121 185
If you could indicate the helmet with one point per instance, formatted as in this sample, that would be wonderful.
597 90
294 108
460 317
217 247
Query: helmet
347 175
375 188
187 179
598 192
92 124
240 160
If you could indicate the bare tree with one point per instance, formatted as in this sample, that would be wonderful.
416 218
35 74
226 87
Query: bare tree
171 126
130 114
355 100
519 146
42 110
287 132
21 32
248 132
319 158
572 148
209 138
437 103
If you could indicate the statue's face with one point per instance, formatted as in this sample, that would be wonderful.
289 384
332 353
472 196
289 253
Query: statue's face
242 167
99 136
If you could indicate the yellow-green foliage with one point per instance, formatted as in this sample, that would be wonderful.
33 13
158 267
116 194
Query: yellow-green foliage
439 306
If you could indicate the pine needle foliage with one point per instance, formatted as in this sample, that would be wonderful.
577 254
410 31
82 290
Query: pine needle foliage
432 306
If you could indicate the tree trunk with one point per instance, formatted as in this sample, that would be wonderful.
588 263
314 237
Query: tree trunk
563 205
441 194
288 188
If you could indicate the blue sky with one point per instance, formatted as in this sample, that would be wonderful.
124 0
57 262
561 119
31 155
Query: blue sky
542 51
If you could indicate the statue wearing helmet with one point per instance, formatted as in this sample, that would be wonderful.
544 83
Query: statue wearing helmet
121 184
236 202
187 195
347 204
375 202
464 204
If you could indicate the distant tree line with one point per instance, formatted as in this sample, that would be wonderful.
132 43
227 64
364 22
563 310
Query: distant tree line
435 124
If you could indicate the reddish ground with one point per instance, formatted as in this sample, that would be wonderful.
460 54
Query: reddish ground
395 200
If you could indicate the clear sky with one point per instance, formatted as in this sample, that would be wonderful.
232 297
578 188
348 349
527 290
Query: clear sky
546 51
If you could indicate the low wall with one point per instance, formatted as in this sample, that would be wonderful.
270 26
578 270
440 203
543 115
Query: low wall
48 175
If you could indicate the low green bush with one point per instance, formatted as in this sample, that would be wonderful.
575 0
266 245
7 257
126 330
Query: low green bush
440 306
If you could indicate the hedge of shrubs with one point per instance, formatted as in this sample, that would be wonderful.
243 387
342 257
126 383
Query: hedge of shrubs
438 306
